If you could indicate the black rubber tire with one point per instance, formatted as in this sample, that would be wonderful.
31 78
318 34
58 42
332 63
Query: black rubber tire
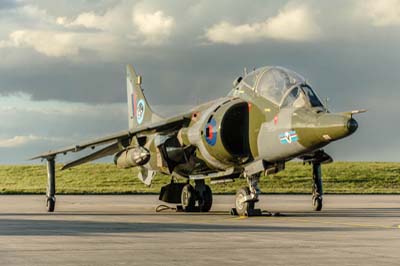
50 204
188 198
243 209
206 199
317 204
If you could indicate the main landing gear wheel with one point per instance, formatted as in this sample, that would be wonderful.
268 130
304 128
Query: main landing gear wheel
188 198
205 201
243 208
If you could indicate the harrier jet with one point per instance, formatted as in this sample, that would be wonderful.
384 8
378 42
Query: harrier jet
271 116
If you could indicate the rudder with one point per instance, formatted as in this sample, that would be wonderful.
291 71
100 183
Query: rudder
139 110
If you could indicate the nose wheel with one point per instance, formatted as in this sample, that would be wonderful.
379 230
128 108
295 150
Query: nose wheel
51 204
243 207
317 187
246 197
317 203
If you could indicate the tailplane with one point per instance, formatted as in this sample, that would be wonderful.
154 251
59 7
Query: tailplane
139 110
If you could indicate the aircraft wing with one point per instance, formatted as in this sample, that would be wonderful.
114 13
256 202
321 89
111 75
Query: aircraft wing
81 146
163 125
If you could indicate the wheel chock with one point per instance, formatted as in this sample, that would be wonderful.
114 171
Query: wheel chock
256 212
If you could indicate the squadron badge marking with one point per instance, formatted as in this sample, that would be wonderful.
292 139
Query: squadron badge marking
140 109
288 137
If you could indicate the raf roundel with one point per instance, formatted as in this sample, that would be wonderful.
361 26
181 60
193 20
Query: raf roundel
211 132
140 111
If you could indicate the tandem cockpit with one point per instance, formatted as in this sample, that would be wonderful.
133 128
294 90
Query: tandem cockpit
281 86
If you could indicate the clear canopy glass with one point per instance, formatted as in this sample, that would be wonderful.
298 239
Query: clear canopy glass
281 86
274 82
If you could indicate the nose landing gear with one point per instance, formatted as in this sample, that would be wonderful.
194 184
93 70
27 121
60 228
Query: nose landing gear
316 159
246 197
317 190
243 207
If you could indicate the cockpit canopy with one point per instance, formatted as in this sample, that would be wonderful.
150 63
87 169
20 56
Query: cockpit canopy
281 86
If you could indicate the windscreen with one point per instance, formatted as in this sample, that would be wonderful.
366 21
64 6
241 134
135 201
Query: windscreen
312 97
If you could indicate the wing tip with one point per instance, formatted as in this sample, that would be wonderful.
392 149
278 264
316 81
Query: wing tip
41 156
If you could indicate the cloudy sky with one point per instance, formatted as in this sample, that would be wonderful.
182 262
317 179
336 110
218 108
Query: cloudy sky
62 63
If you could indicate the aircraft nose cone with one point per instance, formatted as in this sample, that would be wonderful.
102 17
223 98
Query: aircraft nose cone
352 125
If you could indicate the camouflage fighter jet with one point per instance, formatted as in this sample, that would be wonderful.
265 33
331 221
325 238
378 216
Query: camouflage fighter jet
271 116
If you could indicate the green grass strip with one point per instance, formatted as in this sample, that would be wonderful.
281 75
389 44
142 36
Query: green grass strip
339 177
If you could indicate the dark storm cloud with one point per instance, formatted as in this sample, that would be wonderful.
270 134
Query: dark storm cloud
337 69
7 4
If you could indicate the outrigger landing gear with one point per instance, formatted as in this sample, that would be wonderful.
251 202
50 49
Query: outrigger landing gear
51 185
246 197
317 191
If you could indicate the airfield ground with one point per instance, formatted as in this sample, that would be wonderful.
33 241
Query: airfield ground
125 230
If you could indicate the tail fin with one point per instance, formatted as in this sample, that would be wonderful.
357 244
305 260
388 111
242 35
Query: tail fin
139 110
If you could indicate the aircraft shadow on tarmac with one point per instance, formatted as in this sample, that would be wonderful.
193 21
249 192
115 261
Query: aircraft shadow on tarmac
26 227
350 213
334 213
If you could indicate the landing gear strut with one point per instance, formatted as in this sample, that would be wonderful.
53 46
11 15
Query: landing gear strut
317 190
51 185
246 197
